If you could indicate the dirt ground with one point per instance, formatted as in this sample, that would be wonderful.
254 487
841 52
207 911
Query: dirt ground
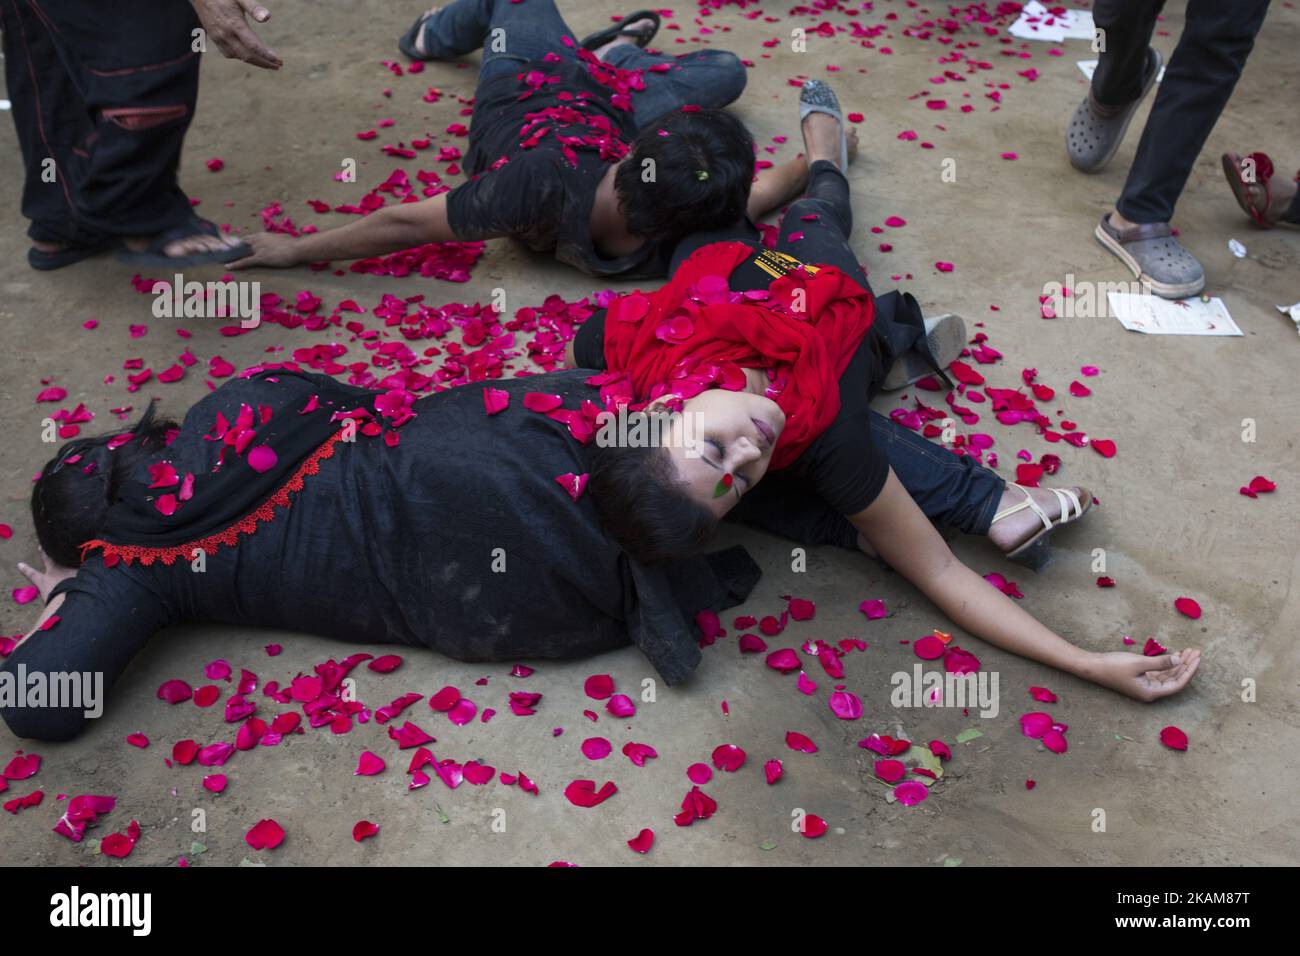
1171 521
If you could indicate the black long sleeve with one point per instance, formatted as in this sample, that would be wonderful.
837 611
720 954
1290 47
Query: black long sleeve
106 617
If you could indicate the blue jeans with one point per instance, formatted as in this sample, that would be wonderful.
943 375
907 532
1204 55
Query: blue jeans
531 29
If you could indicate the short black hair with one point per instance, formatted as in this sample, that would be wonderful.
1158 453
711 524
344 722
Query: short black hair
703 162
642 503
76 488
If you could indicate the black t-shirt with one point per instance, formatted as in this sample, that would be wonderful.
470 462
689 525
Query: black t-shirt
543 193
842 466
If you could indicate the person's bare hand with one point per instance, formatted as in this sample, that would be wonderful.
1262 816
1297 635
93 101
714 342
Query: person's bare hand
272 249
1145 678
225 23
45 581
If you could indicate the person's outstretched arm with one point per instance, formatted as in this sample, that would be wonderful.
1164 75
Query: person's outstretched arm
82 642
896 528
386 230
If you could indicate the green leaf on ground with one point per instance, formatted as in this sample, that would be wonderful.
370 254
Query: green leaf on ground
970 733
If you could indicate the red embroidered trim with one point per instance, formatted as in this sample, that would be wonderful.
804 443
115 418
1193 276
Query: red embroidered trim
230 536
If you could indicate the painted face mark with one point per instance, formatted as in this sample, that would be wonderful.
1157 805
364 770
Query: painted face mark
724 484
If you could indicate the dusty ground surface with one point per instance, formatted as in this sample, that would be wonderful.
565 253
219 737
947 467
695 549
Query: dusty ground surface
1171 522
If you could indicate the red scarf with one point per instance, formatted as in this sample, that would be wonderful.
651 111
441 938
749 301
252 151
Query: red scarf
686 336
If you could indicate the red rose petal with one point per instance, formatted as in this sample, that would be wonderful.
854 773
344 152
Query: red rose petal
1173 738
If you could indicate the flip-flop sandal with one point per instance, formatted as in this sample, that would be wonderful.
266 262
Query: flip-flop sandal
1095 131
1242 190
73 253
153 254
642 37
1035 553
818 97
1154 257
945 337
406 42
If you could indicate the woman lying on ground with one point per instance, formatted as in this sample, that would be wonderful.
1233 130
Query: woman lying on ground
458 530
562 154
748 360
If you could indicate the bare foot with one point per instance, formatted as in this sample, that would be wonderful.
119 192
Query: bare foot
49 247
419 34
640 27
1014 530
189 246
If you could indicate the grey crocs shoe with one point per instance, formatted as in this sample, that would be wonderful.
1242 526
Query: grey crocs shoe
1154 257
1095 131
818 97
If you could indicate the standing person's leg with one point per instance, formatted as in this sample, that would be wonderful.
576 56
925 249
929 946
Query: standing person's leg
1127 68
53 130
1217 39
710 79
134 64
510 34
1126 27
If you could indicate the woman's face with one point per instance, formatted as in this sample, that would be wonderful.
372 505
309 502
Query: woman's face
721 432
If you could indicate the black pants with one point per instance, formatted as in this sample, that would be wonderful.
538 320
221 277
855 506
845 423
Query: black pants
103 92
952 490
1217 38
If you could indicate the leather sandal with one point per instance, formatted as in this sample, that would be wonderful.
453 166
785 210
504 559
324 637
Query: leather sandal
642 37
155 255
1247 193
70 254
1035 553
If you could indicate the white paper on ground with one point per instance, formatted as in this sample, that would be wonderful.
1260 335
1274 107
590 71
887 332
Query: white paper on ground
1035 23
1292 312
1153 315
1089 67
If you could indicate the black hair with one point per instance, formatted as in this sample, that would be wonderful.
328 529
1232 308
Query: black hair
703 168
77 487
642 503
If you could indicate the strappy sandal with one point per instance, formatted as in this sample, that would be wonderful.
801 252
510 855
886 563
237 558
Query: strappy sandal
1245 191
155 255
1095 131
642 37
818 97
1035 553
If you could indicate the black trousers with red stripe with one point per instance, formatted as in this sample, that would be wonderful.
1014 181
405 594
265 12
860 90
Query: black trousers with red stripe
103 92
